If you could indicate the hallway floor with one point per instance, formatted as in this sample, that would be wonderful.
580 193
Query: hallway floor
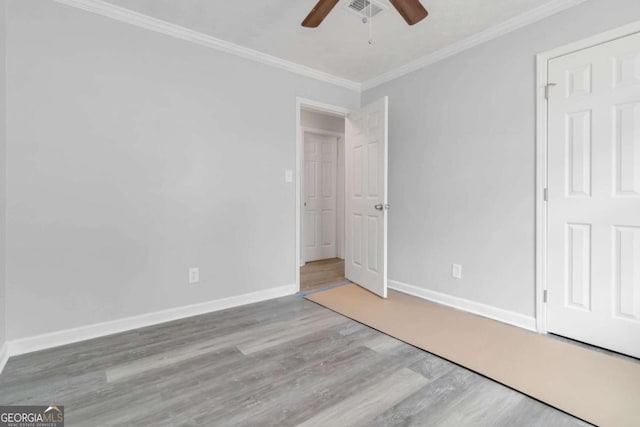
321 274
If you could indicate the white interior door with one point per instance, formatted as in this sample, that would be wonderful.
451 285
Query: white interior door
320 201
594 195
366 197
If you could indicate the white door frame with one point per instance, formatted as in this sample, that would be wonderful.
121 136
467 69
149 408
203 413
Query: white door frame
319 107
542 60
340 140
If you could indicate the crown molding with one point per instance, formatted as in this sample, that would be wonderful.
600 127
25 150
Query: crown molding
144 21
491 33
118 13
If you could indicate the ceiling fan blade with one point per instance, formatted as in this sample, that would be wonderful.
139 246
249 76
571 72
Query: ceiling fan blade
411 10
318 13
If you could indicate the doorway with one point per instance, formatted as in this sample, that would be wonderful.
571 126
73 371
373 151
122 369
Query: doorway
362 240
322 197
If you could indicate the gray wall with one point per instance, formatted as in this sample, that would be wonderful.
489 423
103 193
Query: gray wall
135 156
3 162
462 161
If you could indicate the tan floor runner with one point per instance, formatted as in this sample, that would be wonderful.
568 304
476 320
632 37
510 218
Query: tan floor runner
596 387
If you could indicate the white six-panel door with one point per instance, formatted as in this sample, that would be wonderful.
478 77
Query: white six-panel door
366 197
320 201
594 195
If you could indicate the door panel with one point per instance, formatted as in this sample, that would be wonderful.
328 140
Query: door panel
627 149
366 197
626 275
594 195
320 173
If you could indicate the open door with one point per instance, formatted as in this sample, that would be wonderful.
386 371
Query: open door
366 197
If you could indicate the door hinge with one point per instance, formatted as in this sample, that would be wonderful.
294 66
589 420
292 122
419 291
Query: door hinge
544 296
546 194
547 89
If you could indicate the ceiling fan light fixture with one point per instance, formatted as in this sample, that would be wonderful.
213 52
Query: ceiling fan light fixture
411 10
318 13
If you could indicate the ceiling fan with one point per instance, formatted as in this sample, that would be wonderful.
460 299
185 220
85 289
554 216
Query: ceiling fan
411 10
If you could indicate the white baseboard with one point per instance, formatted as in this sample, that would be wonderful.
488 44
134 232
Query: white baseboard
4 356
68 336
495 313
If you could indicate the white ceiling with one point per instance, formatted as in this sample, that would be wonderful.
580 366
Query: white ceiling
340 45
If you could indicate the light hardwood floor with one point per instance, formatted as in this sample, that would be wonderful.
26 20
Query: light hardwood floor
282 362
321 274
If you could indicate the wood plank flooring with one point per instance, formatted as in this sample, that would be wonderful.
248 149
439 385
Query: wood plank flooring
283 362
321 274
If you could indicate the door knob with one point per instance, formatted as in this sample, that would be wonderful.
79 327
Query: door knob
381 207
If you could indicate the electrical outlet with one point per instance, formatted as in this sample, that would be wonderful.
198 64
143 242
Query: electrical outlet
194 275
288 175
456 271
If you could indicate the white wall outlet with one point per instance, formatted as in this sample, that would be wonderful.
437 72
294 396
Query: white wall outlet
456 271
288 175
194 275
